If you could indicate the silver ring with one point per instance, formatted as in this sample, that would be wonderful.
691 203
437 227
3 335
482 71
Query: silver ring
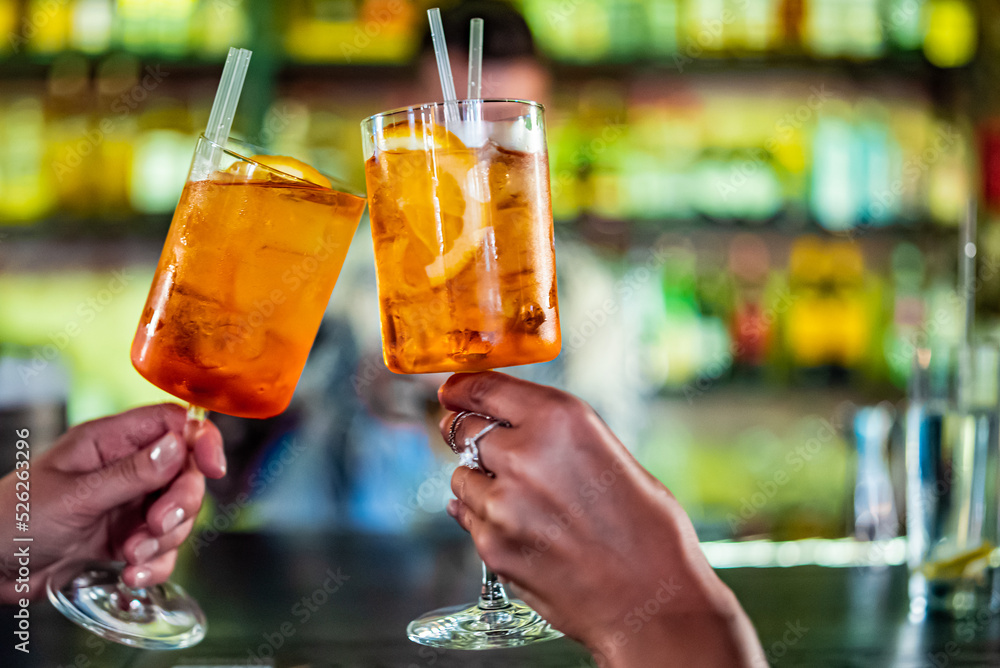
469 455
455 422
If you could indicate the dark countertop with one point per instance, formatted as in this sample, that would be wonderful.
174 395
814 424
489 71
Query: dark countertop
252 586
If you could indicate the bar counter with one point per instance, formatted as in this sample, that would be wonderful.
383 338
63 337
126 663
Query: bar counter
324 600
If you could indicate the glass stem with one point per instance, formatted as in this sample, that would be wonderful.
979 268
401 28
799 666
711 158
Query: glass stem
195 417
493 597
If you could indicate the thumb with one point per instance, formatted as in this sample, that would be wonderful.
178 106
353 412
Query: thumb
138 474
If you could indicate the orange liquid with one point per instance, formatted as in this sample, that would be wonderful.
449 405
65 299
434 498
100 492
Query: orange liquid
240 290
464 258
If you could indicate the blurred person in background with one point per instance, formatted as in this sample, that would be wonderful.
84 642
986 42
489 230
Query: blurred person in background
512 68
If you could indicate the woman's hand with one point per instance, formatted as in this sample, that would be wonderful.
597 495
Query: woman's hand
124 487
596 544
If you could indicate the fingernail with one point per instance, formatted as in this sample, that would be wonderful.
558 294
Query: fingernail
220 456
172 519
146 549
220 460
452 508
141 577
165 451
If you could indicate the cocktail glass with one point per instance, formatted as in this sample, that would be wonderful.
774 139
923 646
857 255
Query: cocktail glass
251 258
953 473
461 221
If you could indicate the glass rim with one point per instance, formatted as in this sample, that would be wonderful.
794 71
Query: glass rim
431 105
341 188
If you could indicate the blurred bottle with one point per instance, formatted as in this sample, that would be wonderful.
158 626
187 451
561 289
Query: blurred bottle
116 80
831 319
92 26
630 30
950 32
703 28
10 26
825 32
376 31
670 326
663 18
47 26
220 24
835 200
577 31
74 138
949 182
135 26
875 514
26 193
750 322
565 135
909 311
989 156
903 21
757 27
793 19
161 158
163 28
880 179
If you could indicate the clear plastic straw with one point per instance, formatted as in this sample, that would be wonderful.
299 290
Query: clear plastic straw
220 120
444 65
475 90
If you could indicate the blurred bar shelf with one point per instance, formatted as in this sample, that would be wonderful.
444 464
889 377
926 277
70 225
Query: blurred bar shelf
48 254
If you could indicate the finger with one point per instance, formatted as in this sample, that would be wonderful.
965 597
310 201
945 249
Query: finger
495 394
132 477
471 488
96 444
150 573
493 547
179 502
142 546
490 444
461 514
208 451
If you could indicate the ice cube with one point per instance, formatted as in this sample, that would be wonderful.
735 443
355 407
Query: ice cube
469 345
530 318
211 336
521 134
472 132
388 221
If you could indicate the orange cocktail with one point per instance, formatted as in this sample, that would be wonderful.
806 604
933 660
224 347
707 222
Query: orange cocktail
247 270
462 226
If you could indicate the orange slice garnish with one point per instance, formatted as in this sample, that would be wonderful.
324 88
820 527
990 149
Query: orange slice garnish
293 167
443 197
418 137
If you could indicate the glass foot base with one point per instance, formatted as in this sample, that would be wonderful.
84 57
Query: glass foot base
472 627
161 617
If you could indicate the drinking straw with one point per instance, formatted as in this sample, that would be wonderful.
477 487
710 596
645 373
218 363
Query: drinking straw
475 59
967 267
444 65
220 120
